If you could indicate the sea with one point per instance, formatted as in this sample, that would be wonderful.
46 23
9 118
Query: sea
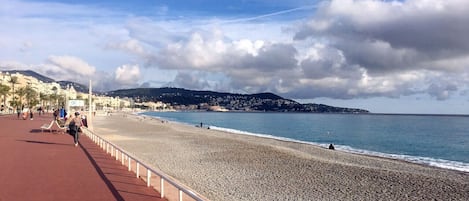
435 140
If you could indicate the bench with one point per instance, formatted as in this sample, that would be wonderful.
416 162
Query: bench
47 126
50 127
63 129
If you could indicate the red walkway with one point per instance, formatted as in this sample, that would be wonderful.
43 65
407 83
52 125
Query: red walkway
47 166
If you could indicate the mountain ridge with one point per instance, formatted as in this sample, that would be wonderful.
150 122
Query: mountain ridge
63 84
194 99
201 100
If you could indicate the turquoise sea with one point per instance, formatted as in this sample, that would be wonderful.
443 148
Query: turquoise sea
435 140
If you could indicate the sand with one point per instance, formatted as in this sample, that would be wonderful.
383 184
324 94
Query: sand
226 166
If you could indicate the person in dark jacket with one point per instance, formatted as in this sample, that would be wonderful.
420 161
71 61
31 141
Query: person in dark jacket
74 126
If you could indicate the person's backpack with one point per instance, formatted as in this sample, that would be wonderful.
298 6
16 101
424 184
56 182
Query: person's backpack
72 127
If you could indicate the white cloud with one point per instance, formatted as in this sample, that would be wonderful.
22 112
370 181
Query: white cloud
132 46
347 49
128 75
399 47
72 64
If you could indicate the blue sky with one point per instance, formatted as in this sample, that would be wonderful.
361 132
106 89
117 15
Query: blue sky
409 56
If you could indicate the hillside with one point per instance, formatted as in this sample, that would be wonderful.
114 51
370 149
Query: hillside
201 100
63 84
267 102
31 74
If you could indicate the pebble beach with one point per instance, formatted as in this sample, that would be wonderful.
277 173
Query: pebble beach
226 166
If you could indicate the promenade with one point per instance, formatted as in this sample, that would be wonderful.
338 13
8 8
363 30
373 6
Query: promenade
46 165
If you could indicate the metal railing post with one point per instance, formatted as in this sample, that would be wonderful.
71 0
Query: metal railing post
109 148
128 161
162 187
148 177
138 170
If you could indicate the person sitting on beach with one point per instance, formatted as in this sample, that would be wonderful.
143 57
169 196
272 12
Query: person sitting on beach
331 147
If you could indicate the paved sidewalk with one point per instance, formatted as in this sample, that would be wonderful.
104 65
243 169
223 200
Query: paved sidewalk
46 165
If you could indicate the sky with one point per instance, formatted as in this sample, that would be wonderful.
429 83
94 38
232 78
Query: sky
406 56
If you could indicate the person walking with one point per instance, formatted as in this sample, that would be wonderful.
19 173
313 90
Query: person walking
56 114
74 126
18 111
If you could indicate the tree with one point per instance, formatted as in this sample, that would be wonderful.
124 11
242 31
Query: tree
4 91
31 96
21 93
54 99
43 98
13 81
61 99
54 96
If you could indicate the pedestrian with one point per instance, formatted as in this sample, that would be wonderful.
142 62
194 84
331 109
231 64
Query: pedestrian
25 113
56 114
74 126
31 114
18 111
84 121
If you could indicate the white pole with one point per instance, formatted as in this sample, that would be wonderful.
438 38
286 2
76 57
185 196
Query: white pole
138 169
162 187
129 163
148 177
90 112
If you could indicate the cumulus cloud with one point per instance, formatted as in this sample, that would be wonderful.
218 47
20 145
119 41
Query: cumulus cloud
386 41
128 75
124 76
191 80
383 35
72 64
442 91
346 49
132 46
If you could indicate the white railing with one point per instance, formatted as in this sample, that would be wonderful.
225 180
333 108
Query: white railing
115 151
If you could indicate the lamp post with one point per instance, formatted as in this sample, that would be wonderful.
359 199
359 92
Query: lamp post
67 102
89 119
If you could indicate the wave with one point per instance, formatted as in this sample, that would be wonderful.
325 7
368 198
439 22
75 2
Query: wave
441 163
435 162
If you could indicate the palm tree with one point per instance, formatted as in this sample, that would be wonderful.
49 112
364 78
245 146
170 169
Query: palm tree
13 81
31 96
61 99
4 89
54 96
52 100
21 93
43 97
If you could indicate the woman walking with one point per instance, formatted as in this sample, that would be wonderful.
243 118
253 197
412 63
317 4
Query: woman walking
74 126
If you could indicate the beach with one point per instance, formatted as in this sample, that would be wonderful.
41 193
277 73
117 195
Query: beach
227 166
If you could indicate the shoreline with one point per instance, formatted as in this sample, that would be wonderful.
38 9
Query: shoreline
420 160
326 113
226 166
